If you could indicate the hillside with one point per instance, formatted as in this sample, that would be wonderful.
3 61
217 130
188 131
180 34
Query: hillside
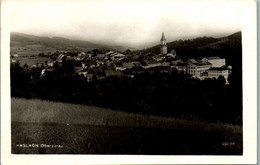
30 44
227 47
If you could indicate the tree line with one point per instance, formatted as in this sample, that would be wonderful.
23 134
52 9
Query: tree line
165 94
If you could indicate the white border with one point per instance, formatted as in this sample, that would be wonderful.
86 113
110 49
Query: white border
249 36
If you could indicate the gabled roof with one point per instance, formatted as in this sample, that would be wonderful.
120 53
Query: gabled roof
193 61
60 57
119 55
137 64
110 52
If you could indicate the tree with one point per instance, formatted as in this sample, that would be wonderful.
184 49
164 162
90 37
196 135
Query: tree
221 80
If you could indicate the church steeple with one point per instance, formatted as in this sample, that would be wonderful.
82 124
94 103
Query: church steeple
163 37
163 48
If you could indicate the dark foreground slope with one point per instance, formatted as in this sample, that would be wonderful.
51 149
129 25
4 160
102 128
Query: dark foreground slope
86 139
41 127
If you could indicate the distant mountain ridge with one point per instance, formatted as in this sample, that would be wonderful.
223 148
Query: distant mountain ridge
21 41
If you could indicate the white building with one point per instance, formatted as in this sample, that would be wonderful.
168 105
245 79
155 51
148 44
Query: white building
208 67
216 72
196 68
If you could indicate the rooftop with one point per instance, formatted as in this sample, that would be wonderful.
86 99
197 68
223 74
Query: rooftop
203 63
219 68
193 61
214 58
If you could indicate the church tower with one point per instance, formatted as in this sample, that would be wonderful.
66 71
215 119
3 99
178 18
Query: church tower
163 48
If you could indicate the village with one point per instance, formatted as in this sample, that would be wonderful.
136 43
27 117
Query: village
100 64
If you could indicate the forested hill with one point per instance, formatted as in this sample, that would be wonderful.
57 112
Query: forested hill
228 47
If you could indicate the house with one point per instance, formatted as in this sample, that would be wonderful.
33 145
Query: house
150 63
117 56
109 53
82 54
113 55
136 64
61 57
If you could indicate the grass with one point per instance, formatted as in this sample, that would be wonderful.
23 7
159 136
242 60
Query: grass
93 130
38 111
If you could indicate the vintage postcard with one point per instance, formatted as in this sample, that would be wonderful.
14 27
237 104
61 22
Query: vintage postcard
136 82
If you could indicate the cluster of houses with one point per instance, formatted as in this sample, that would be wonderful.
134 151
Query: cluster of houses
99 64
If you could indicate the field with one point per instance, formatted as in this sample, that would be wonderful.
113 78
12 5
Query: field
60 128
31 60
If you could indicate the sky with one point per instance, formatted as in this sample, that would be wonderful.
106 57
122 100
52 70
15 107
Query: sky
127 23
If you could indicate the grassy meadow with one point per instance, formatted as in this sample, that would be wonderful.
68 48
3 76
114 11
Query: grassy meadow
82 129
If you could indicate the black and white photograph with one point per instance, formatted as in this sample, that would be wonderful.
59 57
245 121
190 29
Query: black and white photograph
132 78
